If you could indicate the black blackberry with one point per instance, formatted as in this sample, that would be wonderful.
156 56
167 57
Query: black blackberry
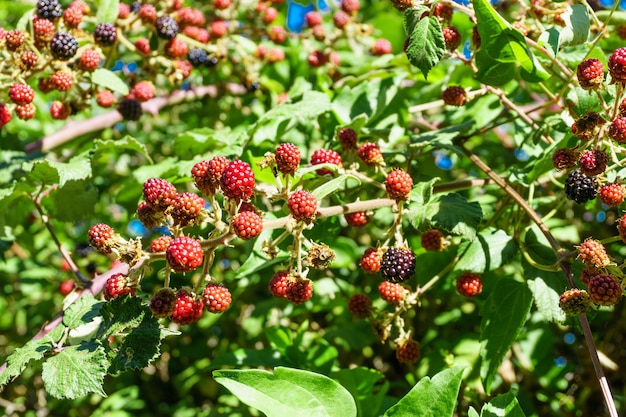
49 9
105 34
397 264
135 6
580 187
166 27
197 57
211 62
63 46
130 109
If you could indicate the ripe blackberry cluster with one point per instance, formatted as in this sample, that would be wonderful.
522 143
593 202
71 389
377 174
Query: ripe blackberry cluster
105 34
580 187
397 264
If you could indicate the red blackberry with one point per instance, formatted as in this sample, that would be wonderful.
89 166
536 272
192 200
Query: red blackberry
278 284
316 59
143 91
287 158
103 238
123 11
14 39
222 4
25 111
163 302
160 244
454 96
206 174
605 290
381 47
43 30
564 158
105 34
319 33
188 308
72 16
408 351
166 27
313 19
592 253
118 285
28 60
216 298
67 286
105 98
391 292
63 46
277 34
443 12
469 284
433 241
341 19
325 156
60 110
617 130
147 13
397 264
89 60
617 65
184 254
187 209
586 274
237 180
612 194
298 290
142 45
189 16
302 206
269 15
49 9
590 73
177 48
593 163
574 302
247 225
219 28
61 81
159 192
5 115
357 219
21 94
130 109
621 227
399 184
360 305
371 154
370 261
452 37
350 6
348 138
150 216
275 55
580 187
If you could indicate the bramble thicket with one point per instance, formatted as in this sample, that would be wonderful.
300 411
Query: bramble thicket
355 208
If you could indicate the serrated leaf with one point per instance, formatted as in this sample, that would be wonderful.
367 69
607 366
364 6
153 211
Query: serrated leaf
310 394
503 405
17 361
84 310
76 371
127 143
83 195
420 196
504 316
107 11
426 44
434 397
225 142
450 212
488 251
546 298
53 172
367 386
107 79
576 30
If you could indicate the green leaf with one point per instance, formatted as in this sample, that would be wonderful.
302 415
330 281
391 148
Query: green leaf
268 358
128 143
490 250
224 142
472 412
546 298
442 138
503 405
367 386
426 44
308 393
25 20
83 195
332 186
434 397
450 212
76 371
52 172
17 361
107 79
107 12
575 32
83 311
504 315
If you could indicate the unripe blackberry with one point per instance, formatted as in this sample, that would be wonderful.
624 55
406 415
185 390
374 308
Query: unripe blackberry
89 60
166 27
21 94
574 302
143 45
105 98
61 81
63 46
360 305
247 225
14 39
580 187
206 174
28 60
60 110
269 15
123 11
313 19
118 285
147 13
408 351
370 261
159 192
199 34
593 162
130 109
237 180
590 73
617 66
319 33
443 12
219 28
564 158
316 59
298 290
452 37
341 19
391 292
612 194
397 264
605 290
277 34
278 284
49 9
103 238
357 219
105 34
325 156
302 206
621 227
143 91
188 308
25 111
433 241
275 55
163 302
350 6
617 130
287 158
216 298
347 138
184 254
381 47
43 30
160 244
371 154
5 115
72 16
399 184
454 96
469 284
176 48
187 209
190 16
592 253
149 215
